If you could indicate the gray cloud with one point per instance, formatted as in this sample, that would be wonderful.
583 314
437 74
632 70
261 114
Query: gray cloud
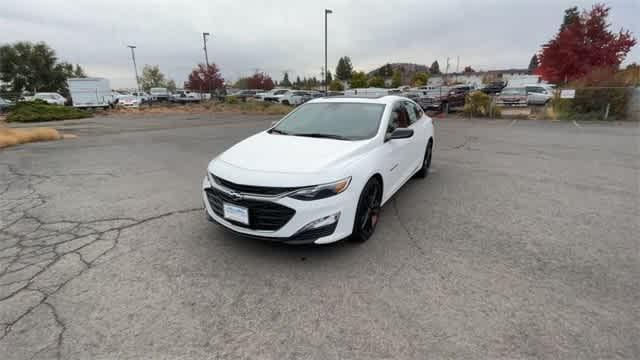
288 35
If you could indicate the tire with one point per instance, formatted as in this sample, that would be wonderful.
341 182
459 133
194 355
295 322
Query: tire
367 211
426 162
285 102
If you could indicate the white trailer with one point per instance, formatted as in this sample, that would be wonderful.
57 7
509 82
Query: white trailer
90 92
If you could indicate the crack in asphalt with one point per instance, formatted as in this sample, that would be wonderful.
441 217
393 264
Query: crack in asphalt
41 256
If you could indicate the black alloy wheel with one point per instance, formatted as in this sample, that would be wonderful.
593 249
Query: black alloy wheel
426 162
368 211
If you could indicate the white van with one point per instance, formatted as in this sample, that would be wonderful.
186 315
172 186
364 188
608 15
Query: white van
90 92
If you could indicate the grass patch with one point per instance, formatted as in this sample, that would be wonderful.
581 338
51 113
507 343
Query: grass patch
37 111
10 137
248 107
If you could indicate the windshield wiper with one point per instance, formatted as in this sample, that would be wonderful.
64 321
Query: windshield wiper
326 136
279 132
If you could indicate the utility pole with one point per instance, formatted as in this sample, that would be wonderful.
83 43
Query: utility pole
326 12
135 68
206 59
457 67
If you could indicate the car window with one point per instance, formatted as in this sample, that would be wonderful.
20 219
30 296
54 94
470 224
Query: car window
411 112
354 121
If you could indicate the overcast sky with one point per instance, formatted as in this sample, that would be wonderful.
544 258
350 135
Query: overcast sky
275 36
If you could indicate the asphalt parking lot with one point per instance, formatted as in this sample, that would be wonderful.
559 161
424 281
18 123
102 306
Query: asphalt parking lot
522 243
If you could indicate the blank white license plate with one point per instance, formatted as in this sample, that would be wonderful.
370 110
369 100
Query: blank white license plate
236 213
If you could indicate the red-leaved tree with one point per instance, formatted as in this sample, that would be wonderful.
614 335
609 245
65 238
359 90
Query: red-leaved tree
204 79
261 81
584 44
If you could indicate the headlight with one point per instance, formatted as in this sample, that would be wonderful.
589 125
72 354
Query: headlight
322 191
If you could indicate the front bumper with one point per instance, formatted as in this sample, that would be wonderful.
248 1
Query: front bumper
305 213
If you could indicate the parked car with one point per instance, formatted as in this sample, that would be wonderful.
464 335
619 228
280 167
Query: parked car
515 96
144 96
50 98
294 98
244 94
129 101
494 87
5 105
90 92
185 96
271 95
159 94
538 94
339 160
456 97
433 99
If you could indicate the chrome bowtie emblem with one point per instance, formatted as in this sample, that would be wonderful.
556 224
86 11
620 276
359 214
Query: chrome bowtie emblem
234 195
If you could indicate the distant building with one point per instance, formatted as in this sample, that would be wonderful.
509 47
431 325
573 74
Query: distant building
478 78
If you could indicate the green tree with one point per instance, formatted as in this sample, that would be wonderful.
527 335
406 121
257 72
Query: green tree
25 66
435 68
420 79
396 79
242 83
298 83
171 85
533 63
329 77
571 15
152 77
336 85
358 80
344 70
285 80
376 81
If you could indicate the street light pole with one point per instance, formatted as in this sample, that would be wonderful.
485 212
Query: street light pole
206 59
204 40
326 70
135 68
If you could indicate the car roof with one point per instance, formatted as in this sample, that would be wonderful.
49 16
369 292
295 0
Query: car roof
386 99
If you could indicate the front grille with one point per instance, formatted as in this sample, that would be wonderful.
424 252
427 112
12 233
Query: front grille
251 189
263 215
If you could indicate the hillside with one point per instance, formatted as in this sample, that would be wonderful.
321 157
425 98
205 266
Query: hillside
406 69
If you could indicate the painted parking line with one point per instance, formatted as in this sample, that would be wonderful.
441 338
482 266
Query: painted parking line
512 123
576 124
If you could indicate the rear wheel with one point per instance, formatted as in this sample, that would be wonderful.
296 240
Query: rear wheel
285 102
426 162
367 211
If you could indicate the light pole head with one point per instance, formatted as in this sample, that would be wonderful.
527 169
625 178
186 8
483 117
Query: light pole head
328 11
131 46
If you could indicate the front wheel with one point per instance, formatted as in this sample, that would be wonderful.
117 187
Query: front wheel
367 211
426 162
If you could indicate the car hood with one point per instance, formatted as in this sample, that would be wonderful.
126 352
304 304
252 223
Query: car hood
276 153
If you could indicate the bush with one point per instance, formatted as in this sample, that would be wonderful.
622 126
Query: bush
478 104
231 100
36 111
591 104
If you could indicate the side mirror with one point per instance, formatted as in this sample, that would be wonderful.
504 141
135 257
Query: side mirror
399 133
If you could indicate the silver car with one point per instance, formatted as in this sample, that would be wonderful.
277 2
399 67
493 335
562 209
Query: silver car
538 94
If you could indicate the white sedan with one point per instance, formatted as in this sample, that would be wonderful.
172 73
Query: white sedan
321 173
50 98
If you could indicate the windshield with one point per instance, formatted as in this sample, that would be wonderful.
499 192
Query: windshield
350 121
513 91
280 92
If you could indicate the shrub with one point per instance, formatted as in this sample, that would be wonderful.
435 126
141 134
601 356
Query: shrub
36 111
231 100
478 104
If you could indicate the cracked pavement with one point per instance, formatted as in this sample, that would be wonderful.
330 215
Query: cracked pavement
521 244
